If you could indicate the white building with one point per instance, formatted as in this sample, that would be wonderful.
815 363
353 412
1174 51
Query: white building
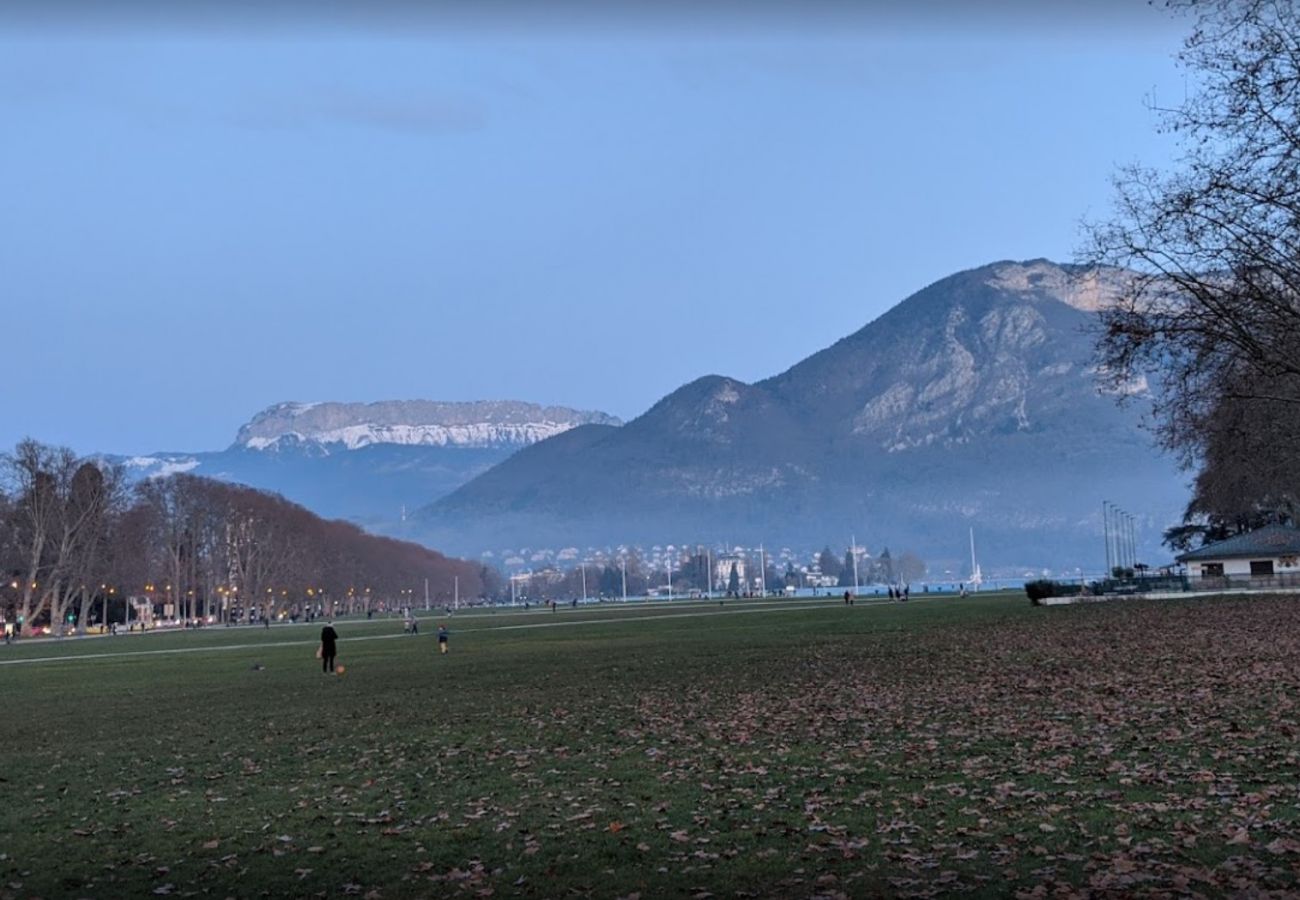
722 571
1266 552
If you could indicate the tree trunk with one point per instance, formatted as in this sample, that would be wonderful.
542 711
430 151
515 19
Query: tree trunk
25 610
60 600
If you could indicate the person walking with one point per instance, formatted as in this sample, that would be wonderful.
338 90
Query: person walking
442 638
328 648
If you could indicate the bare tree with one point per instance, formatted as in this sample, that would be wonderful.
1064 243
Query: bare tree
1210 316
61 511
129 559
29 475
9 556
176 510
84 517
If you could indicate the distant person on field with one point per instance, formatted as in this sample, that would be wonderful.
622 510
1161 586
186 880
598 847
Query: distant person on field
328 648
442 638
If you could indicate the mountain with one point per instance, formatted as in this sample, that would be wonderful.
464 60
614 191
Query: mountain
421 423
369 461
973 403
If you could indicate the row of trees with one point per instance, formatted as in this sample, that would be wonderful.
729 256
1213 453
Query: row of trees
76 539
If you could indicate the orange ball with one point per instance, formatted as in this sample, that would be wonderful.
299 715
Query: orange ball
340 669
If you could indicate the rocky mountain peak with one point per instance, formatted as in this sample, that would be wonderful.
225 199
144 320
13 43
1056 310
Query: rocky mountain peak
1085 289
997 350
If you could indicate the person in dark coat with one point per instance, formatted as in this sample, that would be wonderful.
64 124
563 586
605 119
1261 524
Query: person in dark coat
328 647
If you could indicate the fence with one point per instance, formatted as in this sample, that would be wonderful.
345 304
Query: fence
1205 584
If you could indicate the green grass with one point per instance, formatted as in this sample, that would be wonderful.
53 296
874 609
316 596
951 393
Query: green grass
941 746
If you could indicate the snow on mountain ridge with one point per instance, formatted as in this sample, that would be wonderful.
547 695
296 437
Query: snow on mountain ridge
478 434
411 423
161 466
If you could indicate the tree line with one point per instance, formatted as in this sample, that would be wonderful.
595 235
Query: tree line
77 539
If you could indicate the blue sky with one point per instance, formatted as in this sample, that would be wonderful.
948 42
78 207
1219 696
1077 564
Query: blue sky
201 220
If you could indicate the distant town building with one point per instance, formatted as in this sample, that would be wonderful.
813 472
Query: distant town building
722 571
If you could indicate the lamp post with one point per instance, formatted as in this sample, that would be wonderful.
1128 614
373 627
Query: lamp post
708 573
1132 541
1105 533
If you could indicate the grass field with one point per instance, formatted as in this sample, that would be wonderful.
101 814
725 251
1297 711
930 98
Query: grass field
762 749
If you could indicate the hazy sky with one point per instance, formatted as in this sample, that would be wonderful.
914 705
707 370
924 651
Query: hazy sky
200 218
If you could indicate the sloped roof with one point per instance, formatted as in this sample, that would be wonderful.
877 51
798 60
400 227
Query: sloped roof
1271 540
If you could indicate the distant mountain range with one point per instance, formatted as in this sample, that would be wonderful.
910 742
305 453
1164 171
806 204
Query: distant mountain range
368 461
973 403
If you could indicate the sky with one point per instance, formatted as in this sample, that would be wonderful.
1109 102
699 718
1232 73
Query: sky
203 216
